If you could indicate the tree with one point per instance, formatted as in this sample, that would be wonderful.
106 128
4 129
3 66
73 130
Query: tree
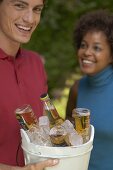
54 37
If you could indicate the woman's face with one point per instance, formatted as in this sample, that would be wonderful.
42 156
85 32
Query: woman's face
18 19
94 53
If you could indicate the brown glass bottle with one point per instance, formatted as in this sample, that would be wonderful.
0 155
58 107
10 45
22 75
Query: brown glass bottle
26 117
51 111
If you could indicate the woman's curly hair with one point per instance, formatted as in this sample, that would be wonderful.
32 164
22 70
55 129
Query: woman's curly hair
99 20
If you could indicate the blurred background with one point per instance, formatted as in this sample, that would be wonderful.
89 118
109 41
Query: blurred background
53 39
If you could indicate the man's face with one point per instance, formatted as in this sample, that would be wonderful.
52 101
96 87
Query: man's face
18 19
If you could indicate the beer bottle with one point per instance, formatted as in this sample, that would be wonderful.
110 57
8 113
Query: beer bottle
51 111
82 122
26 117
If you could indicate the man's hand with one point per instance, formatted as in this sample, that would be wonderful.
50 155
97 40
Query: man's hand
41 165
34 166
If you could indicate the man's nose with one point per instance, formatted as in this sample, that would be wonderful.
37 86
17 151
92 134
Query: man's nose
29 17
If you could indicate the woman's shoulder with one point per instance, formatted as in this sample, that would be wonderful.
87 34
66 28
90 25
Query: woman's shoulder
74 87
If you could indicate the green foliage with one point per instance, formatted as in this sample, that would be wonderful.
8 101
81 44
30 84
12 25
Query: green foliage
53 39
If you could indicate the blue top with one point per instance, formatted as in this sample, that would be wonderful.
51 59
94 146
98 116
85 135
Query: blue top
96 94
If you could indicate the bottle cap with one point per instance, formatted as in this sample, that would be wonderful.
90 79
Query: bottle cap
44 96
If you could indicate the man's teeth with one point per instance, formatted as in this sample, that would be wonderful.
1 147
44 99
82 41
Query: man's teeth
24 28
87 62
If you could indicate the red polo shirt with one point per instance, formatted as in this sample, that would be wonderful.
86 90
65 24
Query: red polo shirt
22 81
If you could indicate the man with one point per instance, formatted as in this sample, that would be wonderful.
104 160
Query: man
22 78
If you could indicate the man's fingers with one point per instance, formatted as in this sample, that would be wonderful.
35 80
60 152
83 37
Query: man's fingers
41 165
47 163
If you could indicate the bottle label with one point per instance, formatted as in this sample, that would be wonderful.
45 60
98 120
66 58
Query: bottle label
26 117
82 122
51 112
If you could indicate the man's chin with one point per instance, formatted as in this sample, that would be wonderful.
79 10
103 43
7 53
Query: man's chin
24 41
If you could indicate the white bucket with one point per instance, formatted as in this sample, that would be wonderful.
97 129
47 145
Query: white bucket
71 158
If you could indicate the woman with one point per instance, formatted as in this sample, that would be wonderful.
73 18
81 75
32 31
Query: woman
93 39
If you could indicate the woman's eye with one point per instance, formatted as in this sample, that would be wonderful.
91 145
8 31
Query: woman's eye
83 45
96 48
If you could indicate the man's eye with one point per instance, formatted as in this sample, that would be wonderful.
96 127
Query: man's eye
38 10
19 6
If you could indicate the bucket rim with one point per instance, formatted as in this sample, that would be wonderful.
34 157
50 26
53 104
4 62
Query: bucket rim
57 156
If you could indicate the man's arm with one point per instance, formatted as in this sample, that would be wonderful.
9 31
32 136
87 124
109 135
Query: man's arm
34 166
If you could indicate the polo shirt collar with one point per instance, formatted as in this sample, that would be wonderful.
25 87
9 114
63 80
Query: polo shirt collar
3 55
